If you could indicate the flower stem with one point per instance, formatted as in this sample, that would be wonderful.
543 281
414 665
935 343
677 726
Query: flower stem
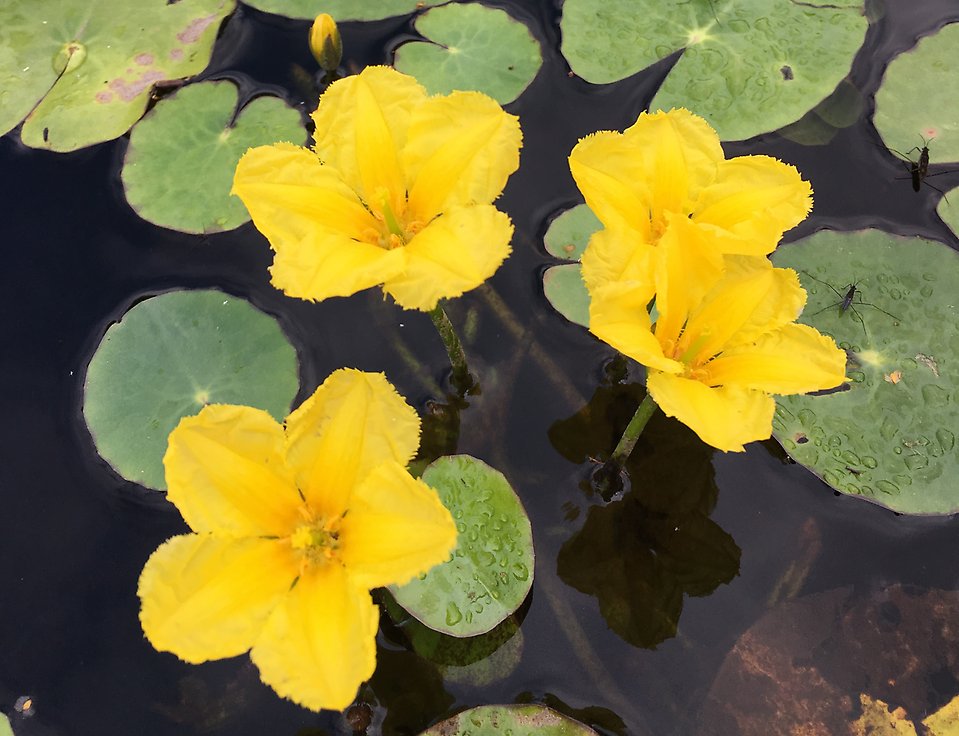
635 428
461 378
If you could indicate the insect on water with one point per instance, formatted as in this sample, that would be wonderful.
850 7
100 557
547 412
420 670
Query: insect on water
848 302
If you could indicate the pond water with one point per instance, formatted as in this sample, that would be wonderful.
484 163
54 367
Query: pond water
74 537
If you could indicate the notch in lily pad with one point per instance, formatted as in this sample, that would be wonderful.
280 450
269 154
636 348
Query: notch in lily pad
890 436
81 71
161 178
490 572
167 358
567 237
471 47
509 720
748 66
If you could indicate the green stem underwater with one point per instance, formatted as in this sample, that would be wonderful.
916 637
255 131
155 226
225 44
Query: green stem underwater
461 378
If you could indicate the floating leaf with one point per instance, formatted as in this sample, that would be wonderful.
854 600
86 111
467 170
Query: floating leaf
85 68
514 720
341 10
948 210
747 67
168 357
891 437
919 98
491 570
804 658
567 237
819 126
472 47
945 721
566 292
5 729
569 233
160 175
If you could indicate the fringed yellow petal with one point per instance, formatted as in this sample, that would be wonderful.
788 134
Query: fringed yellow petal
613 181
361 125
206 597
617 255
618 316
461 149
726 418
396 528
319 645
352 423
321 266
290 195
794 359
782 304
687 267
754 200
225 473
456 252
681 152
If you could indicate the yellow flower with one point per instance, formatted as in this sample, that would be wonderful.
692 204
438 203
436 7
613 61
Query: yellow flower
668 168
292 527
397 191
712 365
326 43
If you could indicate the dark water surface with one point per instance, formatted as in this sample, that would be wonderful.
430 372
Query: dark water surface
74 537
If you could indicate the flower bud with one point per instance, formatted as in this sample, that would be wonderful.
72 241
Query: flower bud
325 42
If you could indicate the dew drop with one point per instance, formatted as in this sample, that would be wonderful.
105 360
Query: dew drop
869 461
807 418
851 458
888 429
887 487
486 559
916 461
453 614
926 291
520 571
946 439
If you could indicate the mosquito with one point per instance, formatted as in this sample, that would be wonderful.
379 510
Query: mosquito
847 302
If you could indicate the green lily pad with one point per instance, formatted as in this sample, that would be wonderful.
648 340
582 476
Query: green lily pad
569 233
748 66
161 178
5 729
515 720
566 292
341 10
169 356
491 570
471 47
891 436
819 126
919 98
567 237
81 71
948 210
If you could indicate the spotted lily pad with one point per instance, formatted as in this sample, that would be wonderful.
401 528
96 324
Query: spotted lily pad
891 436
471 47
81 71
341 10
160 175
168 357
491 569
567 237
919 98
514 720
748 66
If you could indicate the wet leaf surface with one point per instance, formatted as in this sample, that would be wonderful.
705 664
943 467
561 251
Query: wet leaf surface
341 10
515 720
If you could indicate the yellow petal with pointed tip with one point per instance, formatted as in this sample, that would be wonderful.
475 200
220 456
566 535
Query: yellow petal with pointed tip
617 255
755 199
319 644
352 423
456 252
361 125
397 528
795 359
226 474
461 149
618 316
207 597
290 194
613 182
782 304
726 418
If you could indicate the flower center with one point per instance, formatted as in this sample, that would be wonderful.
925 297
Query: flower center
317 541
394 231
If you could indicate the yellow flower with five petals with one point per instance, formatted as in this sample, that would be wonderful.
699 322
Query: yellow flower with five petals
397 191
712 363
293 525
669 168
